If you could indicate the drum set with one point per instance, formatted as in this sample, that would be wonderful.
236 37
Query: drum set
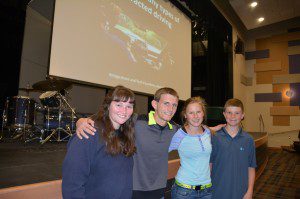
58 117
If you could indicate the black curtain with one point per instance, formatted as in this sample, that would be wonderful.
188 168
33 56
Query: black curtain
218 71
12 22
212 76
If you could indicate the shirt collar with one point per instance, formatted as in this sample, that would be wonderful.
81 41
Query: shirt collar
206 131
153 122
240 133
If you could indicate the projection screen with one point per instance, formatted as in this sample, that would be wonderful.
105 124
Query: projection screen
141 44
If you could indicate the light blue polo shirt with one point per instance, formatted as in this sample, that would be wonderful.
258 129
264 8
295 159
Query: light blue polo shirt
194 152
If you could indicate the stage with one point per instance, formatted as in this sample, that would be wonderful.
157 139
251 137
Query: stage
33 170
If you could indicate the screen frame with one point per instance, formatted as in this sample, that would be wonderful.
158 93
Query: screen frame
185 11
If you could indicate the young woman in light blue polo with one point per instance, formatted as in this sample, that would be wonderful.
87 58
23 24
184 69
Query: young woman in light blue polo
193 142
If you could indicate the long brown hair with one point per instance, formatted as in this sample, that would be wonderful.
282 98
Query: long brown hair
121 140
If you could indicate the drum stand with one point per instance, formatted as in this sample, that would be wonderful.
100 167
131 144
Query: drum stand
25 132
4 118
20 130
58 130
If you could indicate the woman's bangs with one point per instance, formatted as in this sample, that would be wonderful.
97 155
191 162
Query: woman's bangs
124 96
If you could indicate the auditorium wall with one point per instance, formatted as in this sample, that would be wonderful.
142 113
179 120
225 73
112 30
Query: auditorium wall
254 83
245 79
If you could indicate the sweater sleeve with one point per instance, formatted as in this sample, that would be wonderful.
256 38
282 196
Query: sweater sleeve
76 166
176 140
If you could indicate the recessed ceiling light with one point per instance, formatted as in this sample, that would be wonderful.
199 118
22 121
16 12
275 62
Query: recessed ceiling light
260 19
253 4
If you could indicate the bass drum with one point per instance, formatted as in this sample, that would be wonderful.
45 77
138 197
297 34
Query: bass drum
50 99
54 119
19 112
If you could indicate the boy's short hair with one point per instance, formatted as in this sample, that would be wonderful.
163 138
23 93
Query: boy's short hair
234 102
164 90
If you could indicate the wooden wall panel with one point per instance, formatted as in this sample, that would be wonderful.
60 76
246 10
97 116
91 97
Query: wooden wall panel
286 79
295 99
260 44
294 43
277 54
293 36
280 46
279 38
281 120
258 54
269 66
294 64
293 50
268 97
266 77
285 110
286 37
263 43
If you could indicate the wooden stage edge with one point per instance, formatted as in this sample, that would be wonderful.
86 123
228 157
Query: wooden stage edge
261 168
52 189
258 143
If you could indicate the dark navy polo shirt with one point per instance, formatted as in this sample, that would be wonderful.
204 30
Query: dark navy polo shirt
231 158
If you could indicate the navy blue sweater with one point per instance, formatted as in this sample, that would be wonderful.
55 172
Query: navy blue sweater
90 172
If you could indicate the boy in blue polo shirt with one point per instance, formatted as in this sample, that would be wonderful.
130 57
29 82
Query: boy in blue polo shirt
233 158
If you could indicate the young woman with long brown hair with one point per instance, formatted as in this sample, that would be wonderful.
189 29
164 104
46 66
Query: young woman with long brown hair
101 167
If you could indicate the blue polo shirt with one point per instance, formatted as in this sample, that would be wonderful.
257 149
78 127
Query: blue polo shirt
231 158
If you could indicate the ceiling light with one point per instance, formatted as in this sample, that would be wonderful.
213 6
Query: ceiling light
260 19
253 4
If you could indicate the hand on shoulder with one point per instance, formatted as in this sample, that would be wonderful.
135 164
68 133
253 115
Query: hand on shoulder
85 126
214 129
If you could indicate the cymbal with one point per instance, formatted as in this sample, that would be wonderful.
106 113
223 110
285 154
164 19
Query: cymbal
52 85
29 90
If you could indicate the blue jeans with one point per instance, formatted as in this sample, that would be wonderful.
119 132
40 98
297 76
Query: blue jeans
178 192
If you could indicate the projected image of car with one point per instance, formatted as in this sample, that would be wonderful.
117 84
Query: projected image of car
143 45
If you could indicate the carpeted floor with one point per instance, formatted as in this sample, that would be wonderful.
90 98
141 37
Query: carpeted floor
281 178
